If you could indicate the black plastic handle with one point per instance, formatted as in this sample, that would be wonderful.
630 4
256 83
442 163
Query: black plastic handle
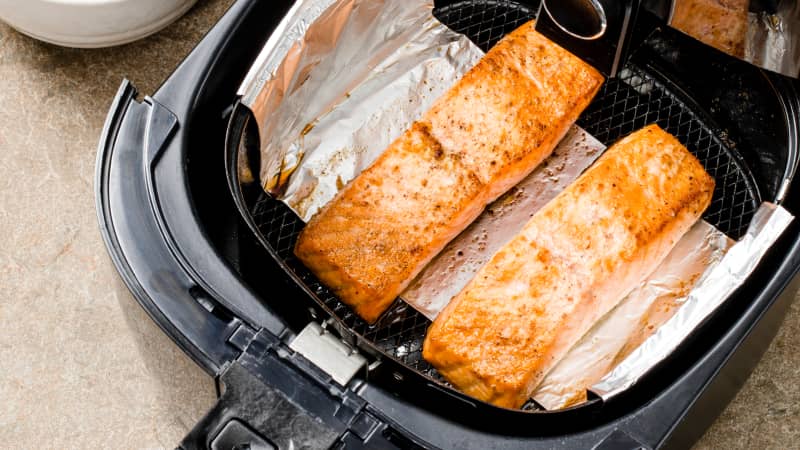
247 405
273 398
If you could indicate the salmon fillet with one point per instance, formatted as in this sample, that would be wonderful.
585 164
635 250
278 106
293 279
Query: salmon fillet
478 140
721 24
571 264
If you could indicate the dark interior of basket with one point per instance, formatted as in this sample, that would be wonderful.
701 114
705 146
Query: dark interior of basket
626 103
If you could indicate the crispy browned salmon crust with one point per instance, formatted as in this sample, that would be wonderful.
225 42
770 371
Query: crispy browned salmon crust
573 262
478 140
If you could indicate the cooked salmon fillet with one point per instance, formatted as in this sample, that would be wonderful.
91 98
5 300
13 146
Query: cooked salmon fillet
571 264
721 24
479 139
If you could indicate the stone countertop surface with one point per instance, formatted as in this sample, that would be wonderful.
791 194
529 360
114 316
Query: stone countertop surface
81 365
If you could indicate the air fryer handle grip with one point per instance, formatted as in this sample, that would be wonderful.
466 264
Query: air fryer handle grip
225 426
220 429
250 414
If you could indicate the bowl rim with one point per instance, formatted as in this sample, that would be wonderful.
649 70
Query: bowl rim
108 39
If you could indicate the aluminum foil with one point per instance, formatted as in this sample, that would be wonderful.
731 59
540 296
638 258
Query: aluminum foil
338 82
773 39
457 264
635 319
771 33
716 285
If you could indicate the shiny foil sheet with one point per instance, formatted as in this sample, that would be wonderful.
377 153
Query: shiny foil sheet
338 82
635 319
715 286
773 39
341 79
766 34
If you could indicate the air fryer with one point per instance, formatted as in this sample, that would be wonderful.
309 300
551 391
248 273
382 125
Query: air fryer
211 261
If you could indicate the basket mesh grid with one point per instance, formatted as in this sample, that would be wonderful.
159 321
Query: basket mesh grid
624 104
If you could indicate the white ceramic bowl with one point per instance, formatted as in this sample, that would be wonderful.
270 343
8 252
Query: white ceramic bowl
91 23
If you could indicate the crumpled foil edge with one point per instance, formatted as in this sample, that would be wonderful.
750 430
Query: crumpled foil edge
635 318
291 29
347 79
773 40
716 286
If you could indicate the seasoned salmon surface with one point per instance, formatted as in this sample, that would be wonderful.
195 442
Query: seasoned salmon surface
482 137
721 24
571 264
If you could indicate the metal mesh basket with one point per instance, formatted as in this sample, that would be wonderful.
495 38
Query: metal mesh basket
634 99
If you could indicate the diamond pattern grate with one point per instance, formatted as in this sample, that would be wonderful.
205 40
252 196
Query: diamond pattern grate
485 22
624 104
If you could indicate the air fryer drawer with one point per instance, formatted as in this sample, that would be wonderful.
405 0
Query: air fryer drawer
175 235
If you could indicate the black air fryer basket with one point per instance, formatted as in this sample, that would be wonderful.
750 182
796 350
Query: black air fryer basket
217 272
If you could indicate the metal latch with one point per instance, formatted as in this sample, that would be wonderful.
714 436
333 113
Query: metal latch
328 353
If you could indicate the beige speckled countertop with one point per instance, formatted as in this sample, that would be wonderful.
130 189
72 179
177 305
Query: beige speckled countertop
81 365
